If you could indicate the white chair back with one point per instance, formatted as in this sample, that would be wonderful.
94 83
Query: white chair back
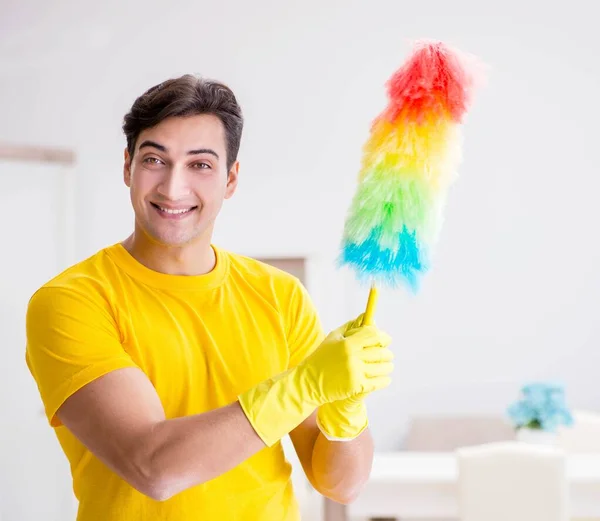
512 481
583 435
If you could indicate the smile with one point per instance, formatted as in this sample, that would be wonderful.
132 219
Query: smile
173 212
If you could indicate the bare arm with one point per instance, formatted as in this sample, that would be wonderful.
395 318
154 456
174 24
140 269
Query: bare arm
337 470
120 418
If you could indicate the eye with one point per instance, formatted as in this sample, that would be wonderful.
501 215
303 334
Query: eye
152 161
201 165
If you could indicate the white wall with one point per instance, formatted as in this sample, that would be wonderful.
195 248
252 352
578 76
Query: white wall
514 292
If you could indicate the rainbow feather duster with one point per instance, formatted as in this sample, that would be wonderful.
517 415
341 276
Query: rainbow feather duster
409 161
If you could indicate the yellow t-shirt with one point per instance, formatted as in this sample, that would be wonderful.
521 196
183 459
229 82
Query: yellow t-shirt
201 340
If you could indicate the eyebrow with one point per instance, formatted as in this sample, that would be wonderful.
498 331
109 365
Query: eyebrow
163 148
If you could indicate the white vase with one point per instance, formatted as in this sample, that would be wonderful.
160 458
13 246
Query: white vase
536 436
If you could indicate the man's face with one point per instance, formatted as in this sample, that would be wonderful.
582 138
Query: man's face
178 178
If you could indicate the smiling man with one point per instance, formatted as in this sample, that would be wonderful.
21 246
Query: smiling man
170 368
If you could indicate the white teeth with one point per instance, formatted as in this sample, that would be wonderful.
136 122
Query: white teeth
168 210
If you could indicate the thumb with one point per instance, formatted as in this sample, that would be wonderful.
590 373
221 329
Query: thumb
353 325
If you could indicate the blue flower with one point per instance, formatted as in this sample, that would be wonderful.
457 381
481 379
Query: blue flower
543 406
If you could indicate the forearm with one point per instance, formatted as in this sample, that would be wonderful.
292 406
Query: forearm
341 468
183 452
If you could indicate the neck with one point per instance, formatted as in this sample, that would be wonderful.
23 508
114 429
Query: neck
194 258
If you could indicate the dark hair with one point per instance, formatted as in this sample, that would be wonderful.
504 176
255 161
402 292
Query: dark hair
187 95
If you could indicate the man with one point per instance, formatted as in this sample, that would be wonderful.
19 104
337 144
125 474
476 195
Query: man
171 369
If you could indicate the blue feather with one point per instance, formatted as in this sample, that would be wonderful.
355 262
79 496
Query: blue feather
406 264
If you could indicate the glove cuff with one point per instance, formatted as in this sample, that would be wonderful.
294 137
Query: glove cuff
343 420
277 406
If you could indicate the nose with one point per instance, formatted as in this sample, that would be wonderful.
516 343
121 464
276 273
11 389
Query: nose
174 185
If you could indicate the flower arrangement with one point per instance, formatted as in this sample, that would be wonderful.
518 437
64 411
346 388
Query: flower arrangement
542 407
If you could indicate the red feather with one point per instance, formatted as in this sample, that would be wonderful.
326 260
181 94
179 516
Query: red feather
434 82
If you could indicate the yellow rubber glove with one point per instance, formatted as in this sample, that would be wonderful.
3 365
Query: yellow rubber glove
346 364
345 420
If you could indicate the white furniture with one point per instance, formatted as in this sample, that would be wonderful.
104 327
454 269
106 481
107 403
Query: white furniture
442 433
583 436
424 485
512 481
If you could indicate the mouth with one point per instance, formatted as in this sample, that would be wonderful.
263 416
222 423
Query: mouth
173 213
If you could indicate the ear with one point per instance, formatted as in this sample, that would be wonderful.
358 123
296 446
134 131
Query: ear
232 179
127 168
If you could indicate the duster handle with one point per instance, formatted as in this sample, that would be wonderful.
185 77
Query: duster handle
371 304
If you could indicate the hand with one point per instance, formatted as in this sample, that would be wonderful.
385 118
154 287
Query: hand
344 420
350 362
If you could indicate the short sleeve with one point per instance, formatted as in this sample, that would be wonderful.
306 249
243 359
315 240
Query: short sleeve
72 339
304 329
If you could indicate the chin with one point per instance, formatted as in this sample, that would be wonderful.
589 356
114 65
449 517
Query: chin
173 234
